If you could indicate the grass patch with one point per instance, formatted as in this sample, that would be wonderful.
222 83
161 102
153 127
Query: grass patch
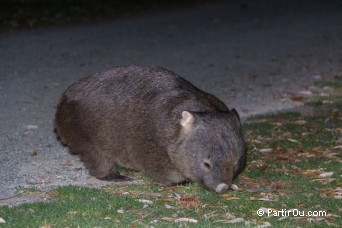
334 95
331 84
294 162
330 99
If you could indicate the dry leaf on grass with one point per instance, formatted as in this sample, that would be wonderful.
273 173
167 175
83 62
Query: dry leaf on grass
279 185
121 211
2 220
47 226
250 185
260 164
294 141
264 225
324 180
187 202
186 220
330 224
299 122
318 153
260 199
168 218
326 174
259 120
311 172
166 200
154 221
336 193
121 191
266 150
230 198
145 201
267 188
279 154
176 195
312 220
318 175
235 220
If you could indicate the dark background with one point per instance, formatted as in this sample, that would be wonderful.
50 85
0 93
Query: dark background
38 13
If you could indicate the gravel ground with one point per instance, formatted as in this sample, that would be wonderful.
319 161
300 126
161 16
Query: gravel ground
262 57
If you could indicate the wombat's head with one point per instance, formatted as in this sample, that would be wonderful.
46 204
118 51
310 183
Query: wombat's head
211 148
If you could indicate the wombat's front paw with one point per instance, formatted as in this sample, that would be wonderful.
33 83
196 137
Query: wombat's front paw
116 177
169 184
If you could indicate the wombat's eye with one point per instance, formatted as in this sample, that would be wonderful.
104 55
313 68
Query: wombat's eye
207 165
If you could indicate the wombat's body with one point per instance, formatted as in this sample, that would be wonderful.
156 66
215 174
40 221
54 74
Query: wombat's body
151 120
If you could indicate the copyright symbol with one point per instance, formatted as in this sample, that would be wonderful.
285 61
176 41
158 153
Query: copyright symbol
260 212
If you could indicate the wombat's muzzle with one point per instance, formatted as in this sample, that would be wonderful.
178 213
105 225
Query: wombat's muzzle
221 188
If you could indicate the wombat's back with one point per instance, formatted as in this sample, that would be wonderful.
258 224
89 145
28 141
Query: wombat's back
122 96
151 85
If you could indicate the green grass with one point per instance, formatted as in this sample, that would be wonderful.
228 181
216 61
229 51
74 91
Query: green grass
318 101
331 84
332 98
287 153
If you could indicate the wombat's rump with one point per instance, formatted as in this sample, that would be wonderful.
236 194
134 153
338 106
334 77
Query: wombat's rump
151 120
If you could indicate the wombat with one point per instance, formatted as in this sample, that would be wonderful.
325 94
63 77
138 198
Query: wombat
149 119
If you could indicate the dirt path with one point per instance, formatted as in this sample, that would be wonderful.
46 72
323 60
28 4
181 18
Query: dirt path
259 58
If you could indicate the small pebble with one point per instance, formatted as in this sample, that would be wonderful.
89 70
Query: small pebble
234 187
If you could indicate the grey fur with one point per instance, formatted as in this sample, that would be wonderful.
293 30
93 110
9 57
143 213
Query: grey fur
149 119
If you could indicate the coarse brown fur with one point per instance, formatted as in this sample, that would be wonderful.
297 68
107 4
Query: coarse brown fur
149 119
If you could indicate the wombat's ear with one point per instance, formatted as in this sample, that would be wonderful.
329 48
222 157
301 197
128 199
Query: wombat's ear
187 119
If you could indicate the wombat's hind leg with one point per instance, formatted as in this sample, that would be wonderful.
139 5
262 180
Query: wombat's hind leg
115 176
102 168
183 183
168 177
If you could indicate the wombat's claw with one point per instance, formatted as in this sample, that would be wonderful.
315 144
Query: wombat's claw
170 184
161 185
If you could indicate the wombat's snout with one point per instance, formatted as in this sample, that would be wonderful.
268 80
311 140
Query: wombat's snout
221 188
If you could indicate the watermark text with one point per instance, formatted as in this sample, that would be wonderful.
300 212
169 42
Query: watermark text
289 213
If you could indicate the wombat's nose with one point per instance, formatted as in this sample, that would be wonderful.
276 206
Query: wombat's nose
221 188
